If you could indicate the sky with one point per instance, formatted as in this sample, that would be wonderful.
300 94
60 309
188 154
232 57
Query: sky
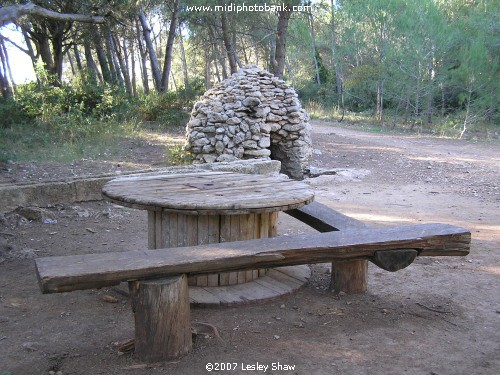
20 63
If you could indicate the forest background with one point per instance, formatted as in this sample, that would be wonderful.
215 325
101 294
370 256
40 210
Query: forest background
109 67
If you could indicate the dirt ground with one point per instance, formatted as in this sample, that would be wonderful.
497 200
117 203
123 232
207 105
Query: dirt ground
438 316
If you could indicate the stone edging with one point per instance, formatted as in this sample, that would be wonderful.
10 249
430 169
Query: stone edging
89 189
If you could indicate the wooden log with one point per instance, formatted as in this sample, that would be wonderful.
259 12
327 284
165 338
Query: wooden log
74 272
349 277
162 318
346 276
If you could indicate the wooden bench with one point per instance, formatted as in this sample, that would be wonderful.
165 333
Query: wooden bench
158 278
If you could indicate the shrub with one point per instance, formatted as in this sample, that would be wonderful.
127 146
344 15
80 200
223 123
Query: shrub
44 101
170 108
12 113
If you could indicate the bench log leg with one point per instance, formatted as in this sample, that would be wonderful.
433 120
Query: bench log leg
162 318
349 276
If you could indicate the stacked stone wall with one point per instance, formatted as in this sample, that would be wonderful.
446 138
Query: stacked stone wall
251 115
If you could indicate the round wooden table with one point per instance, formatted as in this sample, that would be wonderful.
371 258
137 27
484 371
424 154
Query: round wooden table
200 208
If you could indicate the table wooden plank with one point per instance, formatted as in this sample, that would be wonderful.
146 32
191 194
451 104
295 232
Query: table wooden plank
192 230
209 193
172 220
203 230
151 230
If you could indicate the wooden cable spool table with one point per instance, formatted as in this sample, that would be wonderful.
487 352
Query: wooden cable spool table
201 208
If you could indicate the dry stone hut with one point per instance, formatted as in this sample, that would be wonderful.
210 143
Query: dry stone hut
251 115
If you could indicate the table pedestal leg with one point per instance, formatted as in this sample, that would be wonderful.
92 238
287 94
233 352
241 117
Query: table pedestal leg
168 229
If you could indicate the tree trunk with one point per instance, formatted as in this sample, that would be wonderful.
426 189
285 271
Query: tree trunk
120 53
31 52
144 56
101 57
272 54
443 100
92 70
407 107
58 53
313 46
217 74
77 58
290 71
245 56
380 83
380 100
467 112
173 80
216 52
336 62
208 74
233 51
430 88
227 43
132 62
417 96
9 71
280 52
126 67
4 82
170 45
185 73
46 54
155 67
113 60
71 63
4 87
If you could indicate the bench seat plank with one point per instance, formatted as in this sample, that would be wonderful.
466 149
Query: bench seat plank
323 218
76 272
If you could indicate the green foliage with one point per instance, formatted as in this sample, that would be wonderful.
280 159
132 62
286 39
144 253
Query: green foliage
432 63
104 102
177 155
165 108
325 94
170 108
12 113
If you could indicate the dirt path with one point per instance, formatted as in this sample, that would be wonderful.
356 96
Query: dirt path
438 316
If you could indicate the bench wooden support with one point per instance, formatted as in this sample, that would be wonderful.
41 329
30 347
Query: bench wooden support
162 318
350 276
395 260
158 278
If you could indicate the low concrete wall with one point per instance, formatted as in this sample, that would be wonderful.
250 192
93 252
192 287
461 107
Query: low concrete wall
89 189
